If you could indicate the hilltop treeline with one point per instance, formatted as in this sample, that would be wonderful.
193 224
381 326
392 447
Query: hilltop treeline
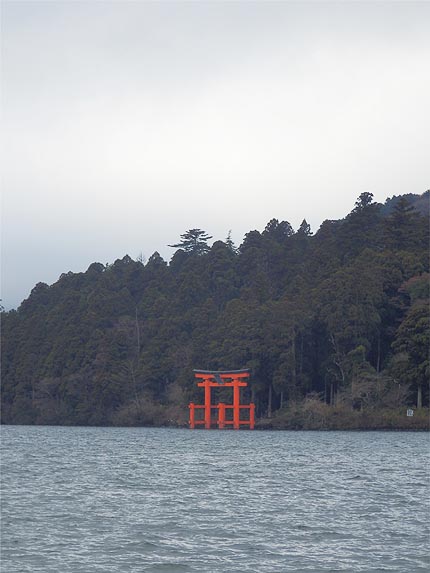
339 319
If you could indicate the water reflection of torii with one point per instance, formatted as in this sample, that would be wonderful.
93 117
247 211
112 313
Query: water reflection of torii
222 378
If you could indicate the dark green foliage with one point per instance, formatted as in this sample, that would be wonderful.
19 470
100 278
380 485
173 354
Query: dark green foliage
420 203
412 344
194 242
329 323
404 227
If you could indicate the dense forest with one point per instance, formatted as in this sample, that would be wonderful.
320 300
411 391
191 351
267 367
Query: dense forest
334 327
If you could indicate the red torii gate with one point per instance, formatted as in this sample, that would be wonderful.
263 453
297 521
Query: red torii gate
221 379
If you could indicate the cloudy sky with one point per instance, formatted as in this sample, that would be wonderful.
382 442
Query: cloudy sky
127 123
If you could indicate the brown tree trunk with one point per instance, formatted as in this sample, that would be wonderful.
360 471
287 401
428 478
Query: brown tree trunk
294 365
378 361
419 397
269 406
137 335
301 353
333 393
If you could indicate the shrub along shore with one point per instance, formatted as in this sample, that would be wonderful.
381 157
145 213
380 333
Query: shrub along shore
319 416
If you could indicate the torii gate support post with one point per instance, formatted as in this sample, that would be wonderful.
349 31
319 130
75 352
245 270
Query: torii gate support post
221 416
192 415
251 416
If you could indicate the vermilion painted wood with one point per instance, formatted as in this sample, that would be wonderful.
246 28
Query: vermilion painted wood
192 420
231 379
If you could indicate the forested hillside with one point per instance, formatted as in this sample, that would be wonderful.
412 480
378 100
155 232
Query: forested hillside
335 323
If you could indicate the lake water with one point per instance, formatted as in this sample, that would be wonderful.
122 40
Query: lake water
162 500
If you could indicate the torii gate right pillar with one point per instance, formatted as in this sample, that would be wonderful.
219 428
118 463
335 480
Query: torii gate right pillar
236 403
208 405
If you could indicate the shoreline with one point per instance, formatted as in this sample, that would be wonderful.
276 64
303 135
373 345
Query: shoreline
258 428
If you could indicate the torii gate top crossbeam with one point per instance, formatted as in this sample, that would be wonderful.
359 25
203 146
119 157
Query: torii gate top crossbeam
220 376
222 371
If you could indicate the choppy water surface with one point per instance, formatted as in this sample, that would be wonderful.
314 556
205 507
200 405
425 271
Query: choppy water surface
133 500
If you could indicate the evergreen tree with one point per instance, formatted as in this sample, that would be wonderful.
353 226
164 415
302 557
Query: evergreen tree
194 242
412 344
404 227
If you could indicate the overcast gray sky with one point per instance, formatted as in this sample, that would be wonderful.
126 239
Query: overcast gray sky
127 123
